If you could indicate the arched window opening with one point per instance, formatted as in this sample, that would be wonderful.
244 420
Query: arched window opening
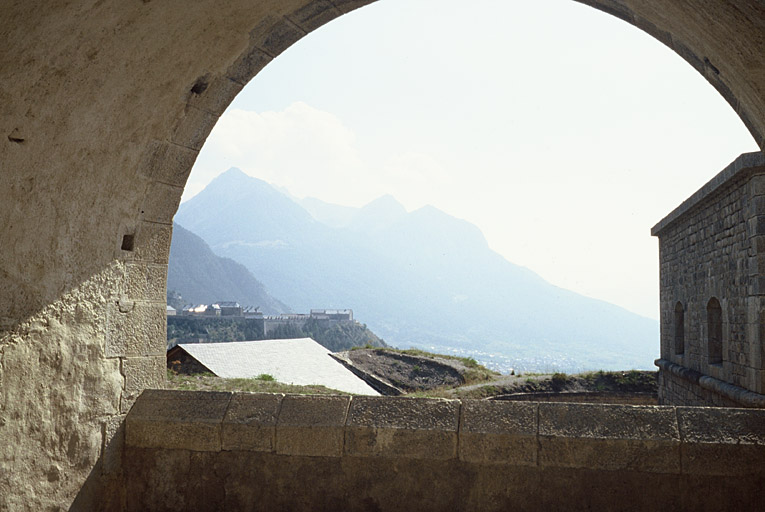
679 328
714 331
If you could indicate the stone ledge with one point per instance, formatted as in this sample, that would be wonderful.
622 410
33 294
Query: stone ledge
615 437
412 428
497 432
745 164
250 422
184 420
640 439
312 425
733 438
737 394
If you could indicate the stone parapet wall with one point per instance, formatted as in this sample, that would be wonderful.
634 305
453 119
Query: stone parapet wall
233 451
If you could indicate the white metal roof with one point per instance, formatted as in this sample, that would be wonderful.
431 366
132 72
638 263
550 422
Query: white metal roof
297 361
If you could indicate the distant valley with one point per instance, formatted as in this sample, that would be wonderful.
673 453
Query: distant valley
421 278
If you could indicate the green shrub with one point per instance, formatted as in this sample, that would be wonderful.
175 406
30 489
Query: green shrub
559 379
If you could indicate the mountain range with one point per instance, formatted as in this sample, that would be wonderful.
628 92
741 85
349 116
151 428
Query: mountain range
201 277
420 278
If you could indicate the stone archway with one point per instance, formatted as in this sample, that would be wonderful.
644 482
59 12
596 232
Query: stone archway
104 105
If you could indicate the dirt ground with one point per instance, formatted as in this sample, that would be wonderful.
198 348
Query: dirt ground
408 372
435 375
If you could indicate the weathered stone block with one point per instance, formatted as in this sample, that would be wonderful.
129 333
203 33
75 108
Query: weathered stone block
609 437
248 65
498 432
722 441
182 420
757 185
651 28
146 281
113 444
161 202
136 329
158 479
349 5
758 243
311 425
402 427
217 95
194 127
250 422
168 163
152 242
141 373
274 35
314 15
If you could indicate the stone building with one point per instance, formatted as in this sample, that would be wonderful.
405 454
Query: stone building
332 314
230 308
712 275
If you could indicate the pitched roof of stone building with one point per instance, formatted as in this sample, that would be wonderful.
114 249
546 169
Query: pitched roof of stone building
296 361
228 304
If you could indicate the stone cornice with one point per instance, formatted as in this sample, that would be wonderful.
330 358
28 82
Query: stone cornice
745 164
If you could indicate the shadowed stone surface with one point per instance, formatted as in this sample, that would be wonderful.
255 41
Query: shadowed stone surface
178 419
591 456
612 437
500 432
250 422
402 427
311 425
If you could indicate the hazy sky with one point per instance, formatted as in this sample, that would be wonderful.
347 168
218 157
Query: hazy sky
563 133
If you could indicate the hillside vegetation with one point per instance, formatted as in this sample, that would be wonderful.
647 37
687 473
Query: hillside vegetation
260 384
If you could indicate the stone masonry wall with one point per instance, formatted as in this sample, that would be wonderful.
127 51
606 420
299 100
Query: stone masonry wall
224 451
677 390
713 246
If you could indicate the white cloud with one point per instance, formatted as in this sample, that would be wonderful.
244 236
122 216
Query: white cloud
306 150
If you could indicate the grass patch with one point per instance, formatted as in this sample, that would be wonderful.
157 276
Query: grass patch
263 383
479 373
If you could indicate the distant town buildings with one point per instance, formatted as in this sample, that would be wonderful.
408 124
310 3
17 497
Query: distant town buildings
234 309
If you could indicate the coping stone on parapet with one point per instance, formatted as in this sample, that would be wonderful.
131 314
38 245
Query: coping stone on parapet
414 428
250 422
184 420
311 425
733 438
499 432
609 437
